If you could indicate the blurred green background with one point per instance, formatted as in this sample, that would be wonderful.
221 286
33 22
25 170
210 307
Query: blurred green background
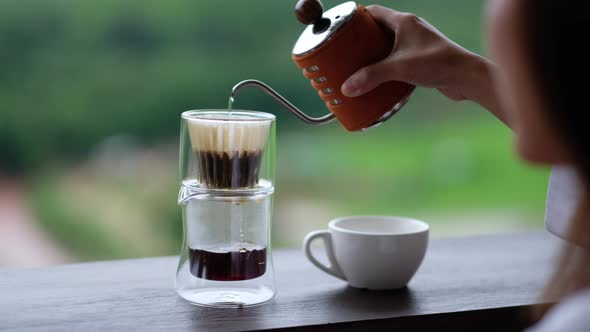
91 93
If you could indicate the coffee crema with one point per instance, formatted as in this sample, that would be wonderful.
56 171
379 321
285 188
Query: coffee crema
228 152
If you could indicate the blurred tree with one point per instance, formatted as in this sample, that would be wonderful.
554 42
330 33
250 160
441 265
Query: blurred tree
74 72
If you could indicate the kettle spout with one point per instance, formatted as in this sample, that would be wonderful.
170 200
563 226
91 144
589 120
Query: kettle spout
282 101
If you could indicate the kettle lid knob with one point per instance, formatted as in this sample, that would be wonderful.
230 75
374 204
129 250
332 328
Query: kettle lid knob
309 11
320 25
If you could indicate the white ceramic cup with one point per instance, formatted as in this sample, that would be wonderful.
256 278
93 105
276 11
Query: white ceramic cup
374 252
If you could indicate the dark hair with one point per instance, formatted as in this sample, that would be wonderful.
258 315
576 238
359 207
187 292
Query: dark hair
555 33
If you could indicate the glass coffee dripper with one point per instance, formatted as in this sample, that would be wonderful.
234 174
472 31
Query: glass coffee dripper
227 164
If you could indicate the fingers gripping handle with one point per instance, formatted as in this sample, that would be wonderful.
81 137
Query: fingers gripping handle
333 268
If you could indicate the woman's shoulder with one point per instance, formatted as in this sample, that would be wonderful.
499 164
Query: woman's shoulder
571 314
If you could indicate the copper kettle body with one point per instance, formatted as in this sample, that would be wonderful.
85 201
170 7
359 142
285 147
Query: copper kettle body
336 44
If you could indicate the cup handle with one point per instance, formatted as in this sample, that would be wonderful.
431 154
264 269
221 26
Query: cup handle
326 236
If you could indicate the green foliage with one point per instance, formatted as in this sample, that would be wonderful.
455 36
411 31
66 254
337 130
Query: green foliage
74 72
72 227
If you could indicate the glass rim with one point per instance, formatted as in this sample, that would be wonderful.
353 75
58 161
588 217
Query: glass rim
226 116
188 193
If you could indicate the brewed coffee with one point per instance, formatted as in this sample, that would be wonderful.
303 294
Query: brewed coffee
228 152
241 261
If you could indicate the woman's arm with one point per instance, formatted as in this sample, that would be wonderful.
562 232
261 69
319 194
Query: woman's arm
423 56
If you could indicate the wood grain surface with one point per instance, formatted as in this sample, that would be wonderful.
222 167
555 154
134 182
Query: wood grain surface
472 283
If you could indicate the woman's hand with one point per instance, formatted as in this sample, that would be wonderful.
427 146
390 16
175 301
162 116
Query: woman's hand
423 56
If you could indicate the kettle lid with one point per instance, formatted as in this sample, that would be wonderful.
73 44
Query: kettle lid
324 28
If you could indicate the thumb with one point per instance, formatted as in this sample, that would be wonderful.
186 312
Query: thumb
368 78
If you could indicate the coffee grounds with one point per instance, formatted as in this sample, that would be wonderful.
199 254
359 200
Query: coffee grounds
229 171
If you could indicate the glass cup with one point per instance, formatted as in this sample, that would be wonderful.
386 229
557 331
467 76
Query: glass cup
227 186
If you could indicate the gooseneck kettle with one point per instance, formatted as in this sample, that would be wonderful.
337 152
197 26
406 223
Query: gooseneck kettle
333 46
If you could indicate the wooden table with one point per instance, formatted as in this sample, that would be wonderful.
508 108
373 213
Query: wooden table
474 283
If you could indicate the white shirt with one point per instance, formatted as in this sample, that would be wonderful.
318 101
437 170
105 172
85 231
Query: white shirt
572 314
562 199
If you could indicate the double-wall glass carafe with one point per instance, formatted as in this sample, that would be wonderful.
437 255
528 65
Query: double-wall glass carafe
227 186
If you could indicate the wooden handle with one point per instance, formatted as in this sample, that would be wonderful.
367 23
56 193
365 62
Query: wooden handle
309 11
